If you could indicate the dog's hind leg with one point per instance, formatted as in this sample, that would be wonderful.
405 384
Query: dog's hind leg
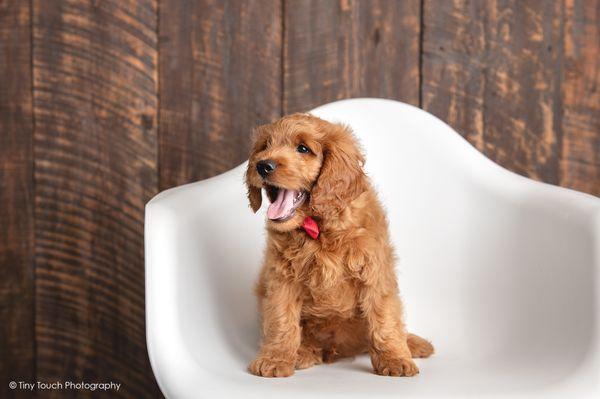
308 355
419 347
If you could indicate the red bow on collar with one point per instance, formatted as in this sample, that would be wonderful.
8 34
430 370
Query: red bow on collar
311 227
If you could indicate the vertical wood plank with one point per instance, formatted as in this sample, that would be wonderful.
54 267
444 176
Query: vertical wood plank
580 160
348 48
220 75
95 146
491 69
17 348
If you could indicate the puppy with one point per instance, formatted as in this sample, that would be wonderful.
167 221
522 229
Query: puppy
327 288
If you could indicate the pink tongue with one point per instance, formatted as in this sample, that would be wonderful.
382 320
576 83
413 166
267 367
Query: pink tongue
282 206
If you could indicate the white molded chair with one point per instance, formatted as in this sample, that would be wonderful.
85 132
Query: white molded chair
502 273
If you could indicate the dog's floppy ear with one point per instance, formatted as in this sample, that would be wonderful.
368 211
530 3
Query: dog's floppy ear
254 193
341 178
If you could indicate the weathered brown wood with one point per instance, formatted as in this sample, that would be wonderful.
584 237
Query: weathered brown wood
491 69
17 344
518 79
95 146
220 75
580 157
347 48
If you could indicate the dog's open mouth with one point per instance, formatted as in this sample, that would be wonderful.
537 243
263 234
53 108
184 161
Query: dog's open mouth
284 202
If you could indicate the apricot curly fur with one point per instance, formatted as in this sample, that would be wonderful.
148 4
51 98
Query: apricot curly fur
336 296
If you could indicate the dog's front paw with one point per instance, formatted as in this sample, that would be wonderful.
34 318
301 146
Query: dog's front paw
395 367
266 366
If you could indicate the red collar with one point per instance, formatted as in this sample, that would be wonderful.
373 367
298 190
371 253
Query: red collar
311 227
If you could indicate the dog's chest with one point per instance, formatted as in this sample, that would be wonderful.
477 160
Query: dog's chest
329 288
339 300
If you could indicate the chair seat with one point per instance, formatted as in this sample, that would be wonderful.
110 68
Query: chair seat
500 272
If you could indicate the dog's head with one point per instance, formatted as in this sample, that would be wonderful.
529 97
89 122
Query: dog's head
307 166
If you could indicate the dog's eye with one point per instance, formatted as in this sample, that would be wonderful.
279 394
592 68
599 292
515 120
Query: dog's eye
303 149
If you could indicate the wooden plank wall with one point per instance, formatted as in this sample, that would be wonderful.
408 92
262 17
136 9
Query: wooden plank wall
579 166
519 79
105 103
334 50
219 74
17 289
95 152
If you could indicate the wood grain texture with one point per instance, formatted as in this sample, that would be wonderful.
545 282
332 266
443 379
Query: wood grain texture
17 344
580 157
491 69
95 146
135 95
220 75
347 48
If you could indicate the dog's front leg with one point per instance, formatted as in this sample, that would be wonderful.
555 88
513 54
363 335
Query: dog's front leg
281 308
388 347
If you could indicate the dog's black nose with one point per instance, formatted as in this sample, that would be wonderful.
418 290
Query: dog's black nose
265 167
